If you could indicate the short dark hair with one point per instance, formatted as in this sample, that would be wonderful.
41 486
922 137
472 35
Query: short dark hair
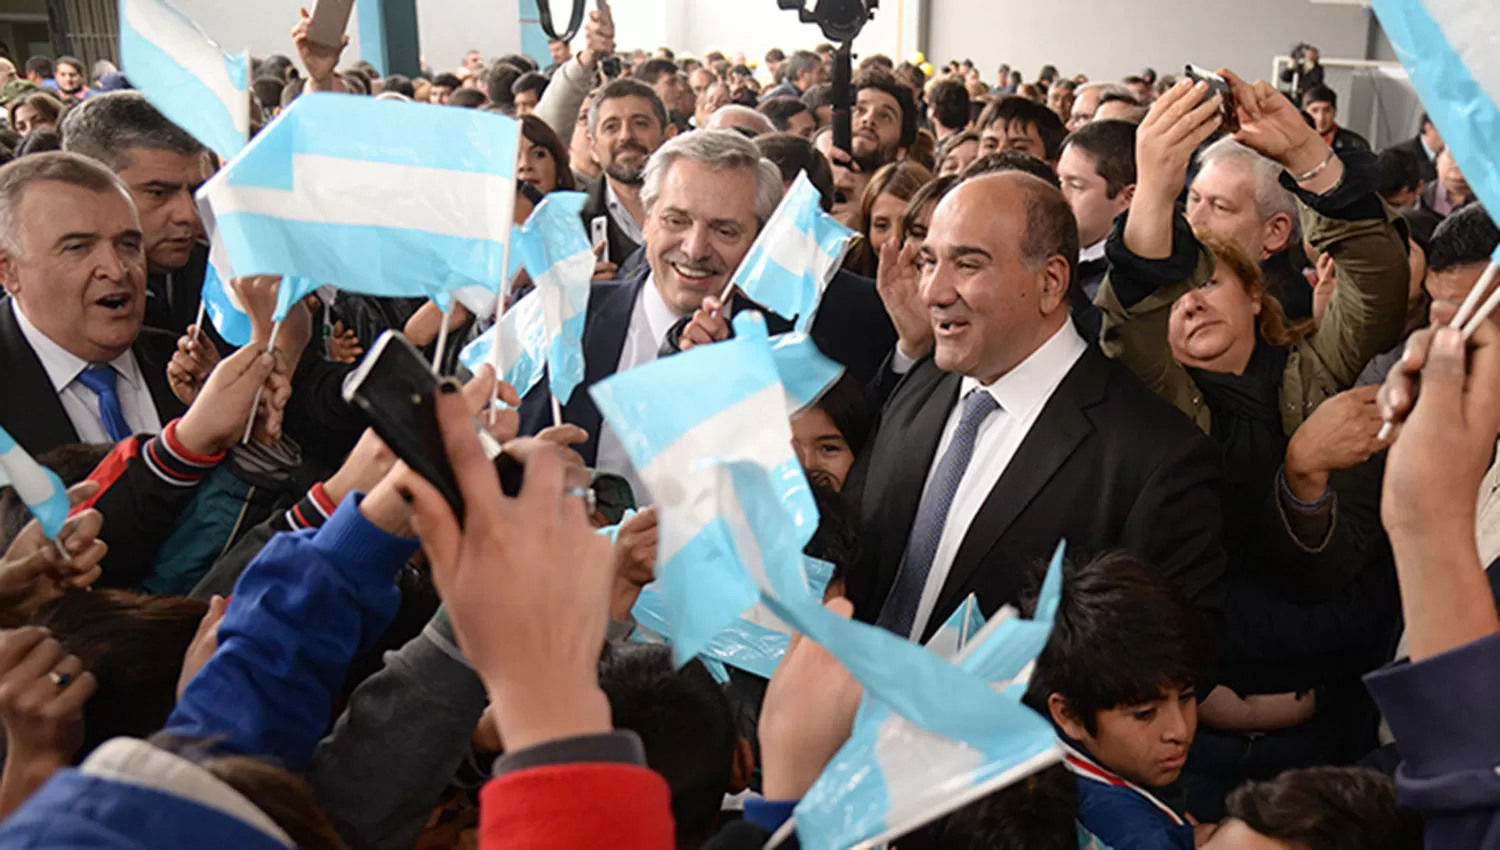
268 91
72 463
277 65
621 89
498 81
1134 80
1328 808
685 722
994 163
293 90
801 62
532 81
781 110
847 404
880 79
775 54
652 71
1111 144
1400 170
520 60
818 96
41 65
950 103
837 539
1123 633
1466 237
1320 94
1014 109
73 62
794 154
467 98
400 84
134 645
1039 812
42 140
448 81
928 195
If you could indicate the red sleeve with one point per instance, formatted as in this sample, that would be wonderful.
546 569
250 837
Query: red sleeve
575 806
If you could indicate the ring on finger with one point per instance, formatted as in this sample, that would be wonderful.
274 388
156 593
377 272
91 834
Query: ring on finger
60 679
587 494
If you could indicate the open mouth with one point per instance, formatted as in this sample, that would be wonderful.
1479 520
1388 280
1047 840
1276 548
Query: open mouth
691 273
119 303
948 327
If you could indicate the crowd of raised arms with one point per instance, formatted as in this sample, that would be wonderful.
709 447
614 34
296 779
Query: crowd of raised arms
1076 310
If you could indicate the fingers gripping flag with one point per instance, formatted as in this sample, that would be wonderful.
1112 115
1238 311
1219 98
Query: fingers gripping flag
893 775
522 333
372 196
40 489
1448 48
186 75
796 255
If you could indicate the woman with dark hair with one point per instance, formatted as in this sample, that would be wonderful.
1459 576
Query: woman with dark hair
38 110
541 160
880 210
918 215
829 435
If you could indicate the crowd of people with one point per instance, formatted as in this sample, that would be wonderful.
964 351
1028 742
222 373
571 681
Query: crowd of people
1075 310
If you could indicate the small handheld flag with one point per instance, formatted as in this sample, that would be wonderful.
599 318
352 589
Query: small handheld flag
522 334
557 255
185 75
40 489
796 255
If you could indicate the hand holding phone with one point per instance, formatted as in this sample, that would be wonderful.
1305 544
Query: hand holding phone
1229 111
330 20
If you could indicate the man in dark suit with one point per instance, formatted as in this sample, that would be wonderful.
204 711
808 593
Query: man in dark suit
1425 146
1012 433
627 123
163 166
1097 174
77 366
707 196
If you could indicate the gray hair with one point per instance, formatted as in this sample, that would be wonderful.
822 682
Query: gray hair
720 150
1270 196
721 119
54 166
107 127
1106 89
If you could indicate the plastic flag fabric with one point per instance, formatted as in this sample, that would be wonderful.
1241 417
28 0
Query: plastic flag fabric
757 639
709 434
193 82
523 339
796 255
960 628
557 254
893 776
1448 48
372 196
40 489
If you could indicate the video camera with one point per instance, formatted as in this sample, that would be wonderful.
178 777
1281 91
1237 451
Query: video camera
840 20
1299 51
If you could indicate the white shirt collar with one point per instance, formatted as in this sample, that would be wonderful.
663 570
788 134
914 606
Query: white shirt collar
659 317
63 366
1031 383
623 219
1431 154
1093 252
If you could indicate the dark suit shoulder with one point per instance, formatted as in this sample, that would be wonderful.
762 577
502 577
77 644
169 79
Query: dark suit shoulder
1130 409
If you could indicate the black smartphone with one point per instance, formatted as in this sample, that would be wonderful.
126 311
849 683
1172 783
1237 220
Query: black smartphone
1229 109
397 390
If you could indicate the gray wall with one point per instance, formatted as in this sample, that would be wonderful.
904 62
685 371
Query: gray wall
1108 39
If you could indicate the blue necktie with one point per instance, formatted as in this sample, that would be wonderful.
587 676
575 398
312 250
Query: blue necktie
900 611
101 379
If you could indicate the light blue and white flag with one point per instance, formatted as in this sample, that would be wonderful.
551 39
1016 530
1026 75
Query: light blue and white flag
185 75
1449 50
522 333
892 775
372 196
40 489
557 255
796 255
960 628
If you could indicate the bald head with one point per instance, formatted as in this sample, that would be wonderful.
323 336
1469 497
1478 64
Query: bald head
996 267
740 118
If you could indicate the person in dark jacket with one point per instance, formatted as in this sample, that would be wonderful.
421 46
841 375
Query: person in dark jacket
1321 103
1097 173
1425 147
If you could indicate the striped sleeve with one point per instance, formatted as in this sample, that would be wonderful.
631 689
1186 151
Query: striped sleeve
313 510
171 462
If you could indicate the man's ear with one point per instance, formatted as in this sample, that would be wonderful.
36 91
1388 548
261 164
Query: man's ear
1055 283
744 766
1123 200
671 131
8 276
1278 234
1062 715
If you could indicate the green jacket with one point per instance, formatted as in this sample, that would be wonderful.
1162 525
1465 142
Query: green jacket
1365 316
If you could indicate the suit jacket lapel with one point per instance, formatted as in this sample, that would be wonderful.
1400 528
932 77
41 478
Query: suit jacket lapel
35 415
604 334
152 352
1055 435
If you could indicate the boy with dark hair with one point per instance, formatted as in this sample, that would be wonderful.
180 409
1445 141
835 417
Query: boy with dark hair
1319 808
685 722
1118 681
1400 177
1038 813
1015 123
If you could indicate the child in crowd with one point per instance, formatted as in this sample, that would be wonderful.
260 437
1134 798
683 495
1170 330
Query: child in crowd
1118 678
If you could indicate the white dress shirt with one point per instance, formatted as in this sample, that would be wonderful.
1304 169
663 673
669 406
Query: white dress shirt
650 321
622 217
63 368
1093 252
1022 393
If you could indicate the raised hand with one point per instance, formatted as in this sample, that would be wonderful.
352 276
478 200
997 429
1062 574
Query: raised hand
598 38
900 286
33 571
216 420
1342 433
320 60
343 345
205 642
526 582
1273 127
635 561
190 365
42 692
709 325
